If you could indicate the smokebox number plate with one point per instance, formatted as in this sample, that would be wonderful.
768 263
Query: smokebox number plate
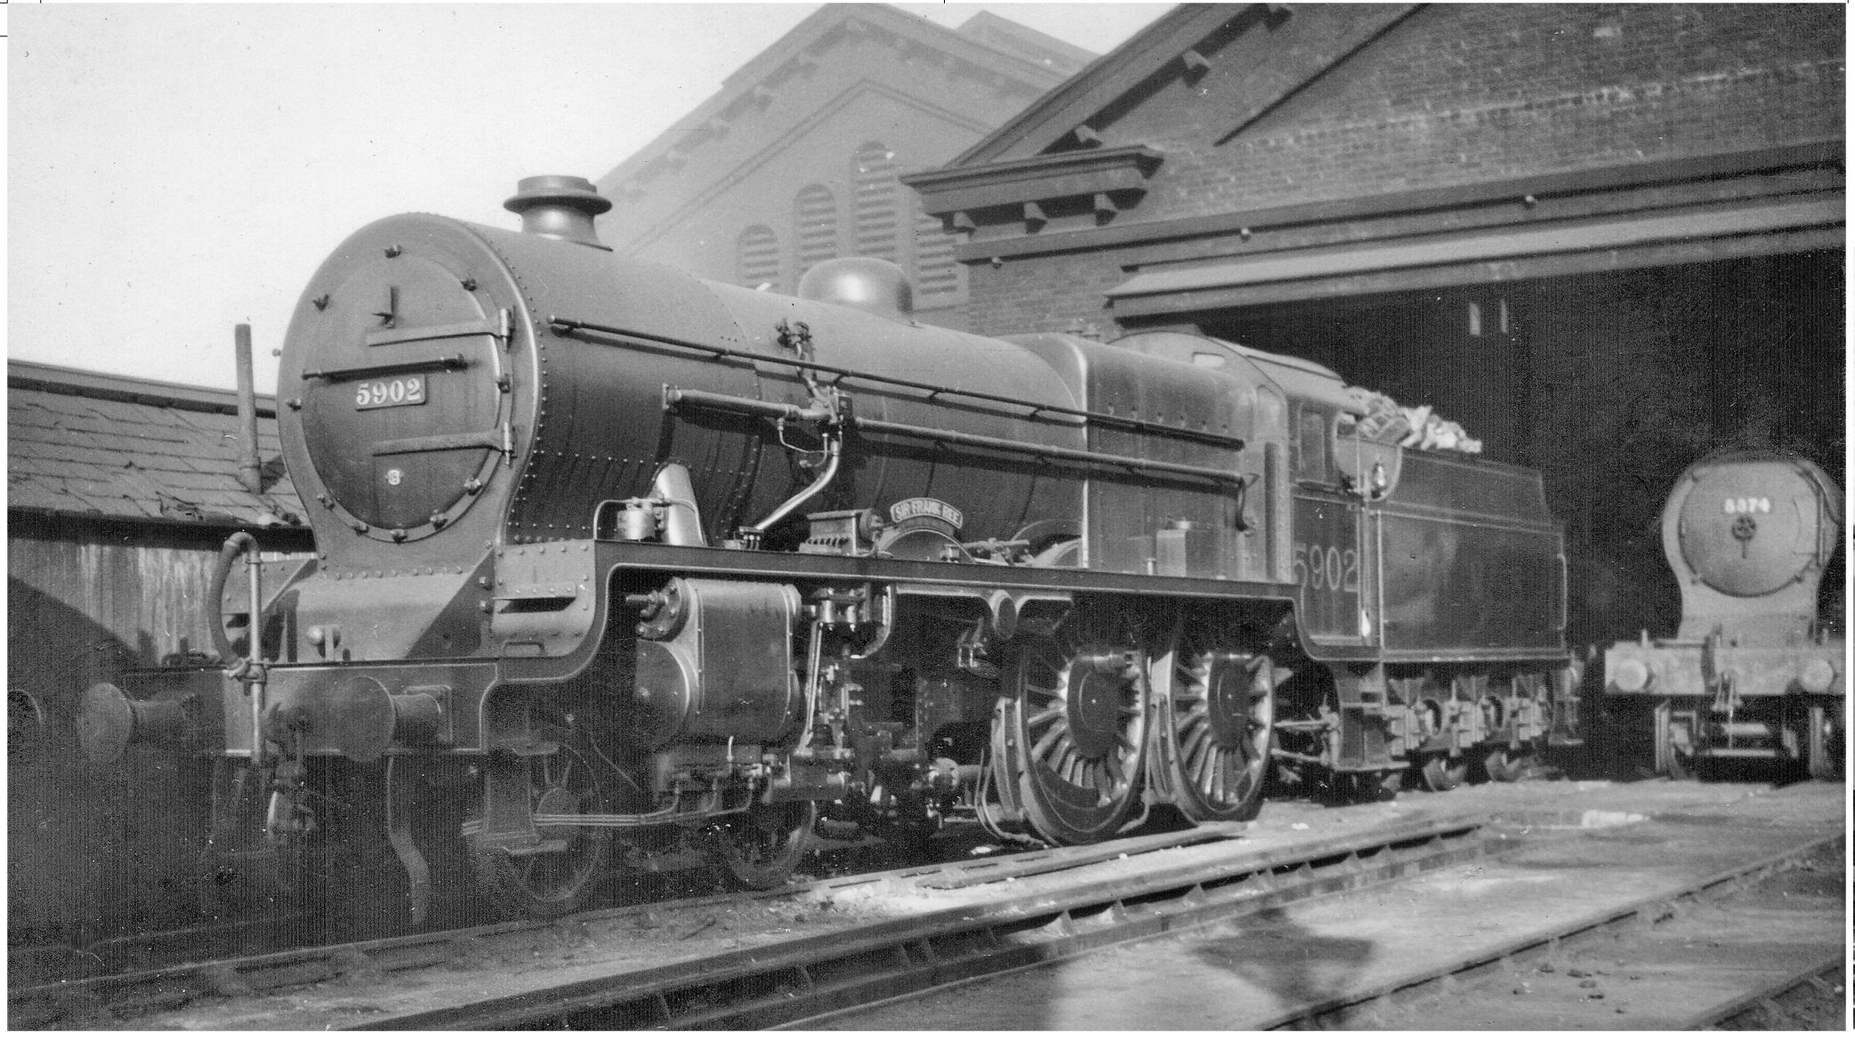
407 390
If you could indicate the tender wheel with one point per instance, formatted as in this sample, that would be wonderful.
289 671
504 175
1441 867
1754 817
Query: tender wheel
1444 772
1216 725
1376 787
1502 766
553 880
759 848
1079 723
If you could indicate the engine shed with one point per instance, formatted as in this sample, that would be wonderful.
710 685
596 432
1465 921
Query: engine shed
1606 239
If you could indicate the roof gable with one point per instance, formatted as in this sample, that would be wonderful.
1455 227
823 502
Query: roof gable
1237 59
669 206
120 448
745 95
1185 85
1003 34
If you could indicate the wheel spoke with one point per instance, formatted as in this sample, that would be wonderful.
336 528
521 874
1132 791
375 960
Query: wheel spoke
1047 741
1197 738
1203 763
1237 770
1053 665
1064 748
1052 697
1054 712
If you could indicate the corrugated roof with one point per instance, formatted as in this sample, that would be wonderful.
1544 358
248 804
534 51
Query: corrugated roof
122 448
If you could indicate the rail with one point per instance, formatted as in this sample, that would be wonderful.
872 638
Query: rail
1218 874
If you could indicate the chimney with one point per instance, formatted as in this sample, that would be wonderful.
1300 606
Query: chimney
559 207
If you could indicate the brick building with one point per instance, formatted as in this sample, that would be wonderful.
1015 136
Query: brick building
120 492
795 159
1606 238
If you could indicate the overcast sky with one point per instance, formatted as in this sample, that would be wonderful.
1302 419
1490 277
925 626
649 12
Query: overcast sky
174 170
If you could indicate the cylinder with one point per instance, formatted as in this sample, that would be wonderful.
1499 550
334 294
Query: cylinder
715 664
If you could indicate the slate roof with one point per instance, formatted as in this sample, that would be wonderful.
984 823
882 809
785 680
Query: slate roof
120 448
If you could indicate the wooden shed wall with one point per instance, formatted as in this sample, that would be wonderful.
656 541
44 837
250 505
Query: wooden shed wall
102 848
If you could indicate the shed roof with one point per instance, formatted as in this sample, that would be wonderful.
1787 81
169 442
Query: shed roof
121 448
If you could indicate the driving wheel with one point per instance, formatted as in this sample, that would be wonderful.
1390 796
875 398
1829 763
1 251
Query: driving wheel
1217 724
1078 724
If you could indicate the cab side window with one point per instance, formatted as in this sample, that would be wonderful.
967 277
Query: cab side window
1311 446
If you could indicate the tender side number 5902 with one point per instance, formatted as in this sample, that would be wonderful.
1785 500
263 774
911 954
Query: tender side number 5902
1327 567
408 390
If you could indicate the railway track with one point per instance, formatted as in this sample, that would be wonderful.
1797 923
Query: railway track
923 947
1795 1000
856 938
261 940
118 954
1602 937
1685 922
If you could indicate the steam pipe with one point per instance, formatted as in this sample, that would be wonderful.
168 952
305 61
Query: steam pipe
248 669
833 454
254 567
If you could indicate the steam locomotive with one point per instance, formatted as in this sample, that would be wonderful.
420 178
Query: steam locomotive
1752 675
617 567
